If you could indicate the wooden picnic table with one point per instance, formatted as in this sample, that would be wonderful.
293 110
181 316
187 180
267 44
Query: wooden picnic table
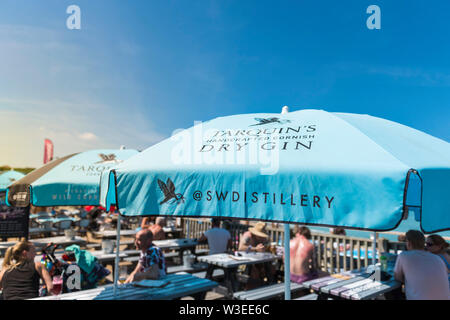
175 244
180 245
62 240
229 263
179 285
101 256
267 292
42 242
112 234
55 220
353 285
173 232
105 258
36 231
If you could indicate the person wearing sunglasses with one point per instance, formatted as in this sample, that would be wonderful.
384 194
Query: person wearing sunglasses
437 245
423 273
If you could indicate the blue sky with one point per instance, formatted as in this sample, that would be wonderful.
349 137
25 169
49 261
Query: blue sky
138 70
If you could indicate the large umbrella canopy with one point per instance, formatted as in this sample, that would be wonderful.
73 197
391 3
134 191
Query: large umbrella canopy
71 180
309 166
9 177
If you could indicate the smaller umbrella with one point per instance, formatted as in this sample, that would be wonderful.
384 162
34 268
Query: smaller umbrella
9 177
69 181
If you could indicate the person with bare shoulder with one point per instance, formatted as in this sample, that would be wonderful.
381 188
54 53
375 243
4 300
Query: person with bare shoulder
147 222
157 229
302 251
255 239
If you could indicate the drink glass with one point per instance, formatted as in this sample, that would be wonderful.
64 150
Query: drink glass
57 285
123 273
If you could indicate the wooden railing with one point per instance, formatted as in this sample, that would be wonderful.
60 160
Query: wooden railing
332 254
395 246
335 253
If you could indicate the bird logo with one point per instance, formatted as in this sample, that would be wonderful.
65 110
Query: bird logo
168 189
263 121
108 158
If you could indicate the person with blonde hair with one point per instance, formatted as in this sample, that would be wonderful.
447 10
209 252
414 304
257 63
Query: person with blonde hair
437 245
20 275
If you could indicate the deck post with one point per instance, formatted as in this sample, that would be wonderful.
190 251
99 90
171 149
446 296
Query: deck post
116 263
287 263
374 251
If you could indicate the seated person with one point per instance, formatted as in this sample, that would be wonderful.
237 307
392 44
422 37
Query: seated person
20 275
437 245
157 229
219 239
338 231
94 216
152 264
423 273
104 220
256 240
147 222
302 251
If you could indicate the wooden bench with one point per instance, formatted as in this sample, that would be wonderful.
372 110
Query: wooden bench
132 259
182 268
201 252
174 269
128 243
135 256
267 292
311 296
217 274
94 246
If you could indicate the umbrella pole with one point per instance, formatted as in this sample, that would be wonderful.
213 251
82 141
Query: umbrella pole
374 246
116 262
287 251
287 263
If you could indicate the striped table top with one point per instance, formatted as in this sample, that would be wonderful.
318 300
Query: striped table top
354 285
226 260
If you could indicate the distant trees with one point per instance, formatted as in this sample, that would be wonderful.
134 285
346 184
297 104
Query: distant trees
23 170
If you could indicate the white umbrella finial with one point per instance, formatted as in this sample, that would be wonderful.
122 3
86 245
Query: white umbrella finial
285 110
122 147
